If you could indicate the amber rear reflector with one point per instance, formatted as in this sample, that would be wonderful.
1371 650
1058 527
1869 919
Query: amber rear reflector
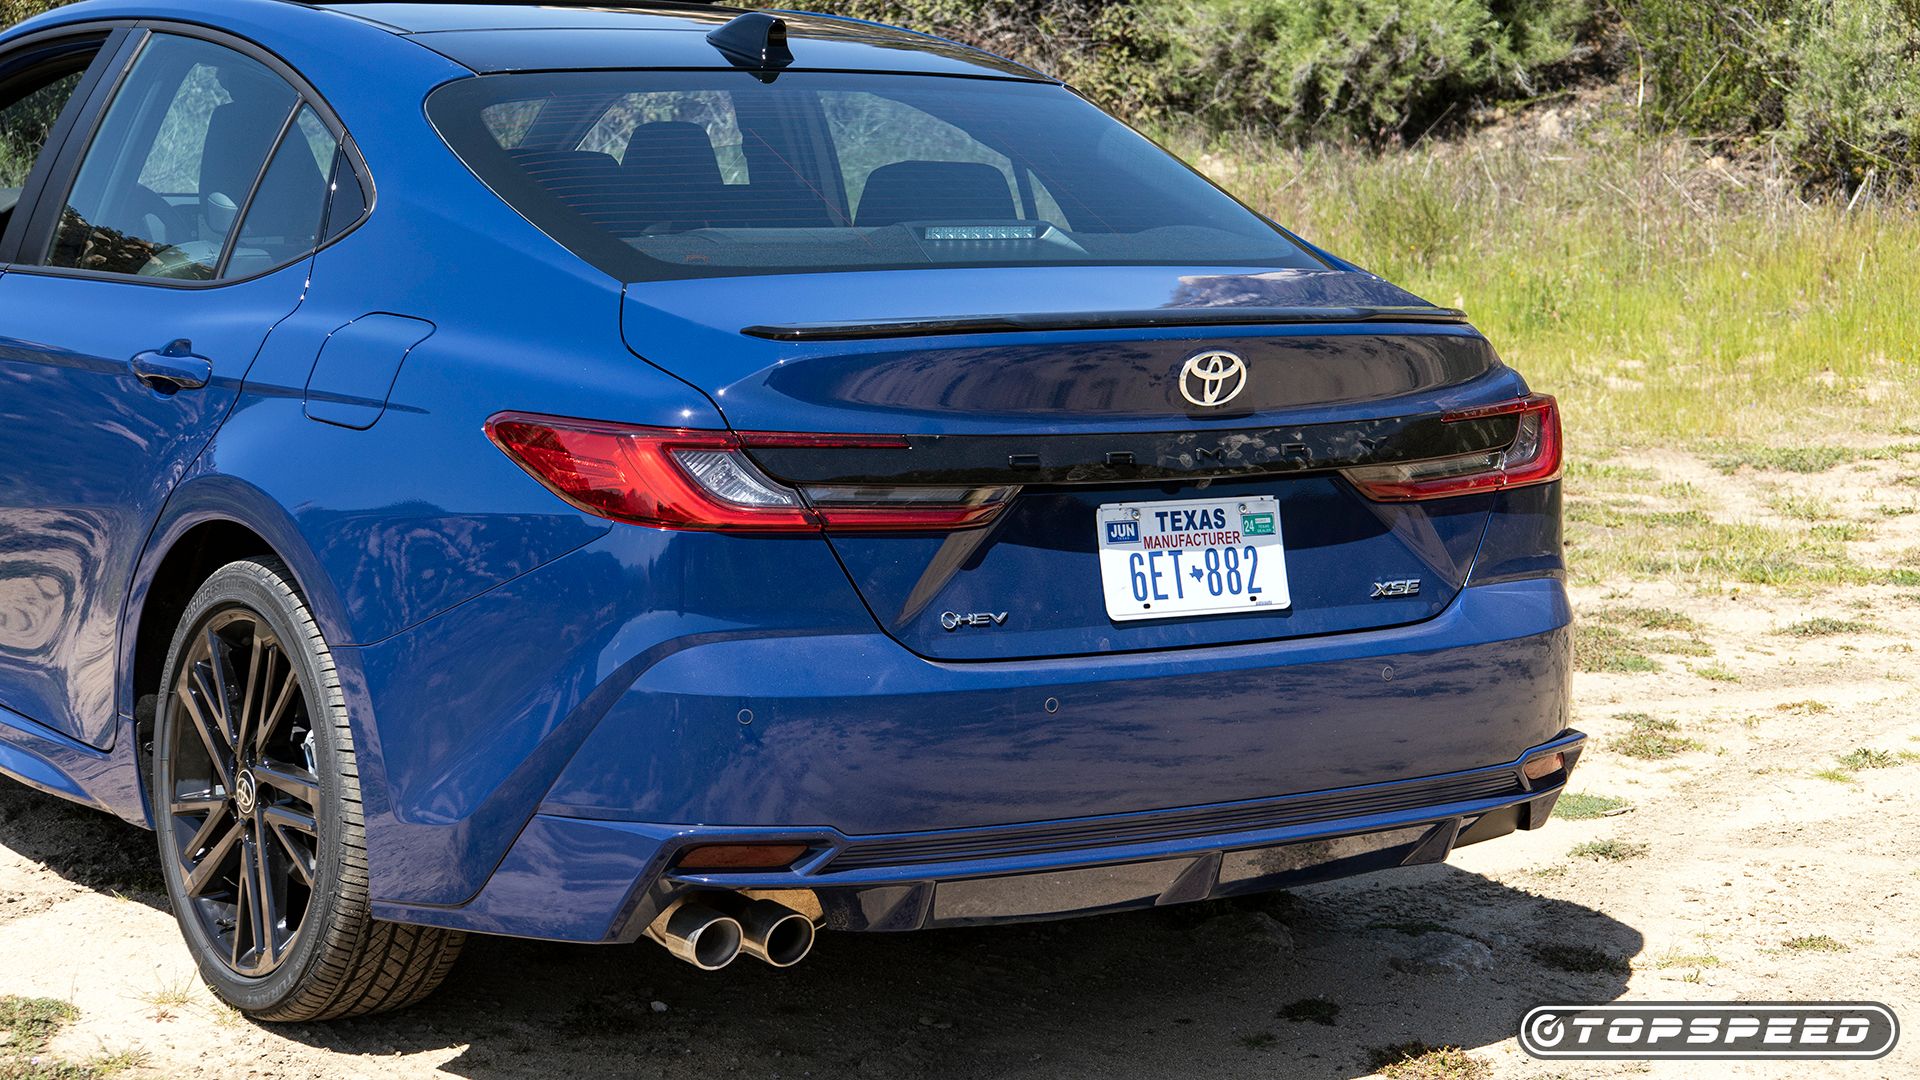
1544 766
740 856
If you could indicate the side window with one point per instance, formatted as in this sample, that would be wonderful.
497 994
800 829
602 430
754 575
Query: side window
25 123
173 163
348 199
30 103
288 211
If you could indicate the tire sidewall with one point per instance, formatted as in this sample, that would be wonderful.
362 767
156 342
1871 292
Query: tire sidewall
249 585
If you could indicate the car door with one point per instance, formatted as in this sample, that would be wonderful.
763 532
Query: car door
165 246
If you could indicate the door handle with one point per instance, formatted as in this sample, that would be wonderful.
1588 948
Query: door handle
173 368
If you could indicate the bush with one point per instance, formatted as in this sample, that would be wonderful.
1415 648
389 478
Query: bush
1375 69
12 11
1832 85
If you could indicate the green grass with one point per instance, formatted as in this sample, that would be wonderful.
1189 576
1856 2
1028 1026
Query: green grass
1793 459
1608 543
1814 943
1663 304
1826 627
1802 507
1418 1061
1606 648
1579 806
1651 739
31 1022
1686 960
27 1025
1866 757
1582 959
1716 673
1613 645
1835 776
1845 532
1585 470
1803 708
1608 850
1649 618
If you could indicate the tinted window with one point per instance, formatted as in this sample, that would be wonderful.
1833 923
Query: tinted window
349 197
283 221
25 123
175 160
30 104
680 174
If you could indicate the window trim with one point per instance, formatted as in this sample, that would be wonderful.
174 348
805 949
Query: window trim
45 213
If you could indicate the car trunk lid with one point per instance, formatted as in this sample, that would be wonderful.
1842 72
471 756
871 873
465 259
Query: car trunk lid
1074 390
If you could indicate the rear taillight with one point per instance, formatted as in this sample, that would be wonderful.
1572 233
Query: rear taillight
674 478
1533 457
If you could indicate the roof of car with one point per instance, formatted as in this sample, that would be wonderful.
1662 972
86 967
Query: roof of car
426 18
489 36
492 37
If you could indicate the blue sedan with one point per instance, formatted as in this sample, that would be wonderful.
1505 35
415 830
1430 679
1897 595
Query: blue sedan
598 474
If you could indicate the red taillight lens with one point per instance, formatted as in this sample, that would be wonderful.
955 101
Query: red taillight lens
675 478
672 479
1533 457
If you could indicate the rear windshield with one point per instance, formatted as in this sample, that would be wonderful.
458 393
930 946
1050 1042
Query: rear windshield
657 174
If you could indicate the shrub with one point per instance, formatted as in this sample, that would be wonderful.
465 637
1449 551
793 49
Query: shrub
1832 85
1375 69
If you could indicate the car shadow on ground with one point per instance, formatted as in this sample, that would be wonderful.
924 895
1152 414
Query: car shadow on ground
83 845
1321 982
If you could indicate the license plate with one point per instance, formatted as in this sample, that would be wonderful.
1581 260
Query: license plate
1165 560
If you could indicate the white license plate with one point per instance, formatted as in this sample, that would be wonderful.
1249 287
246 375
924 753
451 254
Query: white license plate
1163 560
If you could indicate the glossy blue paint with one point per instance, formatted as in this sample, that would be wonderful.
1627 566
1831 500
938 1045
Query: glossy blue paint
106 450
546 705
1338 544
353 376
591 880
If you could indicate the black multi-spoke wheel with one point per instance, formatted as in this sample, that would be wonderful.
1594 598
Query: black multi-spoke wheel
257 804
245 786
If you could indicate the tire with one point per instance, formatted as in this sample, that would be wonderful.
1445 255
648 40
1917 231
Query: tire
256 804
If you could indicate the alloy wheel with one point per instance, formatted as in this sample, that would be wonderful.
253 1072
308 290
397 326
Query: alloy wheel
242 811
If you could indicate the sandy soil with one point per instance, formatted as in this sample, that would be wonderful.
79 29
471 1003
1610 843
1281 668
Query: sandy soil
1732 850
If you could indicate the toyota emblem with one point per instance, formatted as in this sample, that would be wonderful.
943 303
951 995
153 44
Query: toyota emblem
1213 378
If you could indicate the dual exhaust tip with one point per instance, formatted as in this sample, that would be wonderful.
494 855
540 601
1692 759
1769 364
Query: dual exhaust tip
711 933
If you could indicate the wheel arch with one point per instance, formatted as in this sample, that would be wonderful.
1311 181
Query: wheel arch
209 522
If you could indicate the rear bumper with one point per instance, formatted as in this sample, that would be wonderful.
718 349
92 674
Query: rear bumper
506 782
578 879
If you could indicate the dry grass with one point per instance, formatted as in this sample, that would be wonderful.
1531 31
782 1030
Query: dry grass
1668 297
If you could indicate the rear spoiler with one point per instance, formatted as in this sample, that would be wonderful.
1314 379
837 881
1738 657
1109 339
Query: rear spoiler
1103 320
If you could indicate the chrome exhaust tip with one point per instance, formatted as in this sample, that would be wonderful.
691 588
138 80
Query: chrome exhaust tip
698 934
774 933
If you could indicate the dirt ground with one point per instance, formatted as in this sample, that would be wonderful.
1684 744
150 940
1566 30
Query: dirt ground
1765 846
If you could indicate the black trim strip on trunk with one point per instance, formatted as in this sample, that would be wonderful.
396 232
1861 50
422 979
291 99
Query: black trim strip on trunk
1103 320
1122 457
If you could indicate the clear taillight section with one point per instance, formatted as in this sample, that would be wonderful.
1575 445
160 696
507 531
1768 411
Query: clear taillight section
1533 457
674 478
